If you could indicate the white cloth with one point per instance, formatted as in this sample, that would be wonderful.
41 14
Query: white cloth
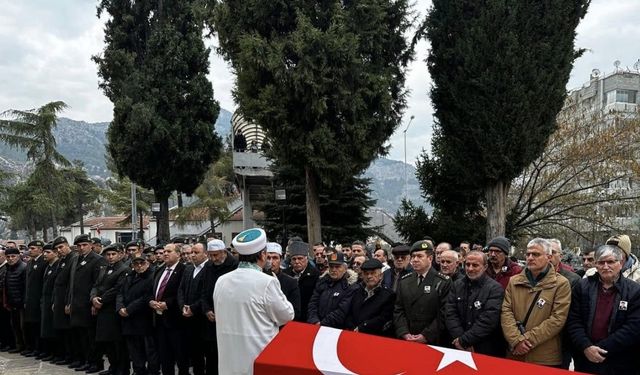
249 307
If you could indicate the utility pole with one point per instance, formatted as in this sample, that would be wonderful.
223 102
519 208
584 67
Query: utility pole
134 214
405 156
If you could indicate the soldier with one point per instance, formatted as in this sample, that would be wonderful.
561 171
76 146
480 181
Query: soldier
135 314
96 245
400 267
35 272
103 300
83 277
61 319
14 287
306 274
371 308
49 341
419 310
190 303
131 251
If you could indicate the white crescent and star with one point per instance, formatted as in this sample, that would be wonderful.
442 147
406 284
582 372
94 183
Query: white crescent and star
325 354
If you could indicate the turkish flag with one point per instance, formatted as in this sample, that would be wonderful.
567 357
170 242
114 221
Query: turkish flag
310 349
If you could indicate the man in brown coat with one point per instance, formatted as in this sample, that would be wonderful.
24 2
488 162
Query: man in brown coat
535 308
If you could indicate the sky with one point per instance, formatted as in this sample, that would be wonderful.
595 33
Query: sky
46 48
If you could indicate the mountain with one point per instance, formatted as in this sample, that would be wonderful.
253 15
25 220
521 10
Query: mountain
79 140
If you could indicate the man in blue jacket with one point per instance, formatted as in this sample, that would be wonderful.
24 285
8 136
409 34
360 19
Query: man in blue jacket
604 318
332 296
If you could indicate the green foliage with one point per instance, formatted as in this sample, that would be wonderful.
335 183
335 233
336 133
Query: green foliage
324 79
412 222
499 73
154 69
343 207
79 194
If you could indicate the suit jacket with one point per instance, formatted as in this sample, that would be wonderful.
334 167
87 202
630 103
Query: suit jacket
420 309
35 273
190 290
372 314
110 280
46 314
134 296
289 287
307 284
83 278
172 317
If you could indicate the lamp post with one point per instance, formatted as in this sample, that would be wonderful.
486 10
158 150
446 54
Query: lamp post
405 155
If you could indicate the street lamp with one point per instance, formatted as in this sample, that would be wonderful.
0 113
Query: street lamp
405 155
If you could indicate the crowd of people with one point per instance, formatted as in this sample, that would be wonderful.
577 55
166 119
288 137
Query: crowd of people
195 306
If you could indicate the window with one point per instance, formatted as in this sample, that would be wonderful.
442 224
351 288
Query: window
621 96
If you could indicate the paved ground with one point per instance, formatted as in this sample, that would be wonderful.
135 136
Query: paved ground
15 364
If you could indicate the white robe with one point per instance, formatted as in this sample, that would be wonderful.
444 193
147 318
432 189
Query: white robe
249 307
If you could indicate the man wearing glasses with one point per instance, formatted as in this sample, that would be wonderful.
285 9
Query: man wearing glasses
306 274
501 268
400 267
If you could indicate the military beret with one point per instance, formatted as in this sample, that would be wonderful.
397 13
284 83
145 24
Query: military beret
114 247
179 240
83 238
36 243
298 248
12 251
59 240
96 241
421 245
138 259
371 264
131 244
148 250
48 246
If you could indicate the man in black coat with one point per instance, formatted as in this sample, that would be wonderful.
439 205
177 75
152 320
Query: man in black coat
220 262
401 267
331 298
103 299
14 288
48 339
190 303
35 272
6 335
371 308
82 319
306 275
473 309
61 309
288 284
168 320
604 318
132 304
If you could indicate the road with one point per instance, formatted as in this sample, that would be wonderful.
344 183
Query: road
15 364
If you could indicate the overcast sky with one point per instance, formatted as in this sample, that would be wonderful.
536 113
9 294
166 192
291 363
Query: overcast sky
46 46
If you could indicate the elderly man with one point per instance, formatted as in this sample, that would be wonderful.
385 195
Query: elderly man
356 263
306 274
473 309
450 265
288 284
400 268
419 310
220 262
501 268
535 308
319 257
247 321
605 318
32 317
561 268
332 295
631 265
103 299
371 308
441 248
14 287
383 257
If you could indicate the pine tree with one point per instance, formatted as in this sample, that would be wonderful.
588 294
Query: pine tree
324 79
154 69
499 73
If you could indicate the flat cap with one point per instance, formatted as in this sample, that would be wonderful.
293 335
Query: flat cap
371 264
36 243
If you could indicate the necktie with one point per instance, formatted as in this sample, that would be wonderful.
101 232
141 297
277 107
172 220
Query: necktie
420 278
163 284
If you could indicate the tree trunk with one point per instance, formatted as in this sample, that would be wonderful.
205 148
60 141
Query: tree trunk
496 196
81 222
179 194
314 228
45 235
212 221
54 224
163 234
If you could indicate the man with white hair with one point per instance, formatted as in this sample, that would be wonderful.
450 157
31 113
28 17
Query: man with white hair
630 263
535 308
450 264
605 317
220 262
249 306
288 284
